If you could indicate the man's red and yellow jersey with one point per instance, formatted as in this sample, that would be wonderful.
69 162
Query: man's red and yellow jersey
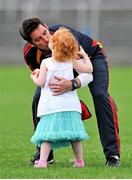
33 56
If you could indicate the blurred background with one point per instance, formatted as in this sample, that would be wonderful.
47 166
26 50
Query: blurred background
108 21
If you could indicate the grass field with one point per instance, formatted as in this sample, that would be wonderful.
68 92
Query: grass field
16 91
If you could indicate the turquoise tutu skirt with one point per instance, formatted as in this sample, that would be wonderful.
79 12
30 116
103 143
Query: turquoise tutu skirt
60 129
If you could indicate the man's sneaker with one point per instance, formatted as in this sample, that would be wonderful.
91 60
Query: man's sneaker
50 158
113 161
37 157
51 161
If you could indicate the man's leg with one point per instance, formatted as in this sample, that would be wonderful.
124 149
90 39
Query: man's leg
35 106
35 122
106 111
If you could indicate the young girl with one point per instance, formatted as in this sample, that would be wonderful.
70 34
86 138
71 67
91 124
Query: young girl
60 123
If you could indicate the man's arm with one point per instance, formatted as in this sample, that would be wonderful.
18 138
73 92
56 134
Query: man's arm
60 86
64 85
85 79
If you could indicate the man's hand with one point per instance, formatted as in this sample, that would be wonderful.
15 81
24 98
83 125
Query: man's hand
60 86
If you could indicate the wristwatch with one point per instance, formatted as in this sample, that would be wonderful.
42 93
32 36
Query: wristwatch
74 84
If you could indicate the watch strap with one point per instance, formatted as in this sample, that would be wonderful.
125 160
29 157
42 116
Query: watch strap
74 84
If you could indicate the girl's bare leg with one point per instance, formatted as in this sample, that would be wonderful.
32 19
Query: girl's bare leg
78 151
44 154
45 150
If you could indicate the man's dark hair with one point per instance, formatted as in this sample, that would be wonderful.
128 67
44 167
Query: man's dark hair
28 26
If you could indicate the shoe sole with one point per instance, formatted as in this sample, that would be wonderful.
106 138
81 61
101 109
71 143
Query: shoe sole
51 161
113 165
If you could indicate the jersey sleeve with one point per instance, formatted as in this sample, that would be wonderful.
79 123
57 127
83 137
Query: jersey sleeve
30 53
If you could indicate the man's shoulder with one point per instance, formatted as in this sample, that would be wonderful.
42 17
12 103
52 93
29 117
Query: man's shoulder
29 50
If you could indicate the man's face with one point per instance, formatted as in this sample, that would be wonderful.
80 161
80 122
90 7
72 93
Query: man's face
40 37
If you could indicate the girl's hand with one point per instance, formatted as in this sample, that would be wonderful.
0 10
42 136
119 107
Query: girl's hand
35 73
82 53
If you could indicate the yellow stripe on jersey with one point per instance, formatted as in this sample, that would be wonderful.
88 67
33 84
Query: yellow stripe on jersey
38 56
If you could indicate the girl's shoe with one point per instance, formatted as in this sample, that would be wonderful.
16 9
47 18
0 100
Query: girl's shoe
79 163
40 164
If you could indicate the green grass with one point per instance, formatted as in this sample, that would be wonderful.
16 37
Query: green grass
16 91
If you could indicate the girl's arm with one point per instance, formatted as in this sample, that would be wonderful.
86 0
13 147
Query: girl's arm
39 79
84 65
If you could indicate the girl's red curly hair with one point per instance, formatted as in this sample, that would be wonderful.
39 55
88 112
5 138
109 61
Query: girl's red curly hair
64 44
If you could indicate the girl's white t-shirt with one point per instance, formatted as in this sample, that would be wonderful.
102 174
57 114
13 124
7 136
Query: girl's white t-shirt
67 101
